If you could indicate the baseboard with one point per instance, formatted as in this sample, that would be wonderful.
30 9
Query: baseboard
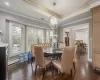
13 61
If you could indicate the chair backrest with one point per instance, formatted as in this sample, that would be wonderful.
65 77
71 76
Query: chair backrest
32 51
67 58
75 59
39 56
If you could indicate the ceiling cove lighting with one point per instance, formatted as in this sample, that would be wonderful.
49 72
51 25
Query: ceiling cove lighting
53 20
7 3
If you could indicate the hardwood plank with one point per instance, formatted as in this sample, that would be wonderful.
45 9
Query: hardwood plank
84 71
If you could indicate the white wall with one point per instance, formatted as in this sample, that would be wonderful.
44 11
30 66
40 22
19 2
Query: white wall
4 26
82 32
22 20
82 35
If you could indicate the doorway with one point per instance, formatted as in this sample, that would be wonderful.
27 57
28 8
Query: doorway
80 34
81 40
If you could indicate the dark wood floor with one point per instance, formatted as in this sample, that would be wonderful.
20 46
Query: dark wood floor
84 71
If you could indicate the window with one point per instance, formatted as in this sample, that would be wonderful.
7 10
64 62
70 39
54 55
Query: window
21 38
49 34
40 36
35 36
17 39
47 37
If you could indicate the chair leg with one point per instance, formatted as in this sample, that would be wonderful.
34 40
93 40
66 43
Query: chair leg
32 67
35 69
71 72
61 74
74 66
52 69
39 68
43 73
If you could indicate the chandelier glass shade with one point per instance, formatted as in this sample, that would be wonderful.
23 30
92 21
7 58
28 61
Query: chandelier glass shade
53 22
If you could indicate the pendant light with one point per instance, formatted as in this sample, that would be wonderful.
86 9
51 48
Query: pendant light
53 20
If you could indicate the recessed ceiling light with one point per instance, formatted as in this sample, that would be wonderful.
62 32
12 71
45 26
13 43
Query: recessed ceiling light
7 3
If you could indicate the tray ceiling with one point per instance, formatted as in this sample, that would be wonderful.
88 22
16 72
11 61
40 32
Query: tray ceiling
41 10
62 8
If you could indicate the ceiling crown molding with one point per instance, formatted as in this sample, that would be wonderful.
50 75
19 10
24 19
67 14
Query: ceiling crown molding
76 21
82 9
32 2
86 5
18 14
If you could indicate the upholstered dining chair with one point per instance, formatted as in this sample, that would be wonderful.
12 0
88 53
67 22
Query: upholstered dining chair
32 51
39 59
33 56
75 58
66 62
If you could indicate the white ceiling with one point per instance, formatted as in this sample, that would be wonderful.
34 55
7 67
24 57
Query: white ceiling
62 7
21 7
44 8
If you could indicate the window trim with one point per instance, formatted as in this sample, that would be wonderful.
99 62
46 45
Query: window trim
10 38
36 35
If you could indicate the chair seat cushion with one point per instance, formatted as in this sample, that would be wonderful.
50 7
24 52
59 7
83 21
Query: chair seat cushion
47 62
57 64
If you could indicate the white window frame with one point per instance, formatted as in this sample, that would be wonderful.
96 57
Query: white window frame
49 34
36 34
10 38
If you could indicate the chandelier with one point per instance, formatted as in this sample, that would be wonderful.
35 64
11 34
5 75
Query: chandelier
53 20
